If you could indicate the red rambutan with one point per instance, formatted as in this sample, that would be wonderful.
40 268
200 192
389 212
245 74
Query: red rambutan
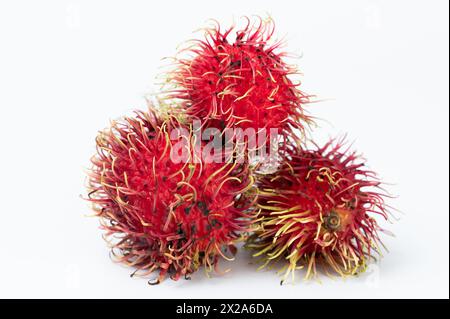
165 215
239 84
318 210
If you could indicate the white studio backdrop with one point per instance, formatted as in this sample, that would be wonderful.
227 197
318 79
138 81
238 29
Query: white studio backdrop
380 69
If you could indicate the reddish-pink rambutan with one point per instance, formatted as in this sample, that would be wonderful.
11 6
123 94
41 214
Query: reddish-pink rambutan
164 215
318 210
239 83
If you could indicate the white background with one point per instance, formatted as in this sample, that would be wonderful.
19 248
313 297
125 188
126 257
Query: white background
68 67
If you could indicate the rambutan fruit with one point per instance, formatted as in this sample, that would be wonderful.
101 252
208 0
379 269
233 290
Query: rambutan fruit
163 212
318 210
240 83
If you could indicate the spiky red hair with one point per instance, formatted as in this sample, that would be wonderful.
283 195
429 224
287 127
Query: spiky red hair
318 209
168 217
241 83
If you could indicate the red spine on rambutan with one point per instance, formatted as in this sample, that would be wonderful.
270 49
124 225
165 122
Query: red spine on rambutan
318 210
242 83
161 215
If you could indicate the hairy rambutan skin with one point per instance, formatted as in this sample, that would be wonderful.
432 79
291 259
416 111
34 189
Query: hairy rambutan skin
242 83
318 211
160 215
